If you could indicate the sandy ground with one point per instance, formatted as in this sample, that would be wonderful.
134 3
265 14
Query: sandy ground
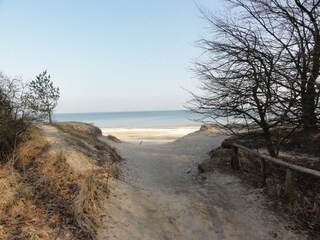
150 135
162 196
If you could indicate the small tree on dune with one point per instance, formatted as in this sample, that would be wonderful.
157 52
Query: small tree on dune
43 96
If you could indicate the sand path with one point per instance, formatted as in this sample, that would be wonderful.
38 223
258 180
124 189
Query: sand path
163 197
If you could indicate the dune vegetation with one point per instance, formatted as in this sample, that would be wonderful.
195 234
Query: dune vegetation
46 197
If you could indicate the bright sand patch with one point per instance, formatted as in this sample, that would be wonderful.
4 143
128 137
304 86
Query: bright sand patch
150 134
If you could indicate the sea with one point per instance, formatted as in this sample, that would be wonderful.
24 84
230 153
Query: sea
133 119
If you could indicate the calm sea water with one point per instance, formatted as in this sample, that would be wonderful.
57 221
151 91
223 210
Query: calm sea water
132 119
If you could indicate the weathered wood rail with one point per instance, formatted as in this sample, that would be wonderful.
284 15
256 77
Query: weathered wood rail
291 169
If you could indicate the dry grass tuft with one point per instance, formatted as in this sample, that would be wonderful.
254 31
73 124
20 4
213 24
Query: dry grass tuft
89 202
218 158
54 175
33 145
85 138
20 218
77 199
9 187
3 233
114 171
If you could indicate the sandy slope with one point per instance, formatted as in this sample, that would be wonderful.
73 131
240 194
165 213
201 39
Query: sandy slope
163 197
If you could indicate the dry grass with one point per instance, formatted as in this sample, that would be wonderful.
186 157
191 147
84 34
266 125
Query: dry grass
304 210
75 197
218 157
89 203
85 138
42 198
57 187
79 128
33 145
20 218
114 171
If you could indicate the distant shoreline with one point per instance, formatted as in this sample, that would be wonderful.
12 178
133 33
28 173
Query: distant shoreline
148 119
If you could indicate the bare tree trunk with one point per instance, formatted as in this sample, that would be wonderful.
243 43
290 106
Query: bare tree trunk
50 116
270 145
308 118
309 98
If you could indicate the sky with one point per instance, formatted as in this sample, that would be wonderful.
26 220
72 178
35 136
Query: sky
106 55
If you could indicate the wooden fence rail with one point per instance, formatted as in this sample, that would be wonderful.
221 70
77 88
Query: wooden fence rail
290 169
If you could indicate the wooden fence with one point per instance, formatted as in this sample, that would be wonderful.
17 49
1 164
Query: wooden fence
291 169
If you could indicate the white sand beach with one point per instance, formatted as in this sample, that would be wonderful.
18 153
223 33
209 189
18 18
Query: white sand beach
149 135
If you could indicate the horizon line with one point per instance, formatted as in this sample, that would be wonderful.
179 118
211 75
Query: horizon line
132 111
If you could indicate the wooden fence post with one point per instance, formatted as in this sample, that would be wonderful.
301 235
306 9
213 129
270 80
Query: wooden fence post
235 158
290 185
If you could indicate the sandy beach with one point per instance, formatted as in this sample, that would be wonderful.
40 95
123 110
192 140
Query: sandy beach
162 196
149 135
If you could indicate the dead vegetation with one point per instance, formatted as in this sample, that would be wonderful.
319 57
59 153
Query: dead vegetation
218 157
34 144
20 217
305 208
44 198
85 137
89 202
114 139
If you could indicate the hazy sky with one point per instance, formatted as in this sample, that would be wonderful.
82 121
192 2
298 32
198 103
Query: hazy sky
105 55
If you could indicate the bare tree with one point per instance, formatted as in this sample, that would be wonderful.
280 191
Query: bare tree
261 66
13 121
240 79
292 26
